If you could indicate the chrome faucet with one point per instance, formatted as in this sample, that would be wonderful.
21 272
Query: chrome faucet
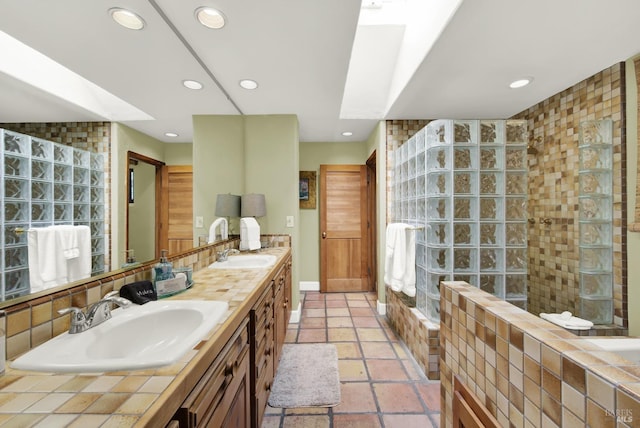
224 255
96 314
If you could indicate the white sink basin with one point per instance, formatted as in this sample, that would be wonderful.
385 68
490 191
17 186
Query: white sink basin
249 261
143 336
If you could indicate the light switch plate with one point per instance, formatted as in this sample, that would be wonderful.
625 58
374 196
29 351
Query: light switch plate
199 221
289 221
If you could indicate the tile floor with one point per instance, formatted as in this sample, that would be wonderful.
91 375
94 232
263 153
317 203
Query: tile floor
381 384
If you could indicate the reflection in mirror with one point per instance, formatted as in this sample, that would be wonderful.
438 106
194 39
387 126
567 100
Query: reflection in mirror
141 220
49 184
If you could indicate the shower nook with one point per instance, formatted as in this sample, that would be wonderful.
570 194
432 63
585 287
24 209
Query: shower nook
465 182
45 184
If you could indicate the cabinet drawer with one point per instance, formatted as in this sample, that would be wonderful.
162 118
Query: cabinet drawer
212 391
263 389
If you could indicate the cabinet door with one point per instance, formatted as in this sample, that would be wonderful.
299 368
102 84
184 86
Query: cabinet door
222 395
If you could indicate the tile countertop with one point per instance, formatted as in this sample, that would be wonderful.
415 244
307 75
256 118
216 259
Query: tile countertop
133 398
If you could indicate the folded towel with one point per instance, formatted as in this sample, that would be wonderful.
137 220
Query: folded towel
68 241
249 234
567 320
47 266
80 267
139 292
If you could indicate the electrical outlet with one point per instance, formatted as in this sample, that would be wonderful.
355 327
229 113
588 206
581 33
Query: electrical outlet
199 221
289 221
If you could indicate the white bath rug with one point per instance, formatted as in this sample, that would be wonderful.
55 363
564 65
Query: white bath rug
307 377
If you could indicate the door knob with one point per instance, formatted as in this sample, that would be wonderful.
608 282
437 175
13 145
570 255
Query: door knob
324 235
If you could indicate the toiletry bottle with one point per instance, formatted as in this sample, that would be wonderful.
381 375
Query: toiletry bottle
163 269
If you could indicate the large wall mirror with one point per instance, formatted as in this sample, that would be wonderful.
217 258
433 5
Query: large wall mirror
158 216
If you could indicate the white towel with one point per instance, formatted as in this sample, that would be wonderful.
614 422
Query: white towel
68 241
249 234
567 320
47 266
400 256
224 230
80 267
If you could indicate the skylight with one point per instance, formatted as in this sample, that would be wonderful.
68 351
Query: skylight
33 68
392 39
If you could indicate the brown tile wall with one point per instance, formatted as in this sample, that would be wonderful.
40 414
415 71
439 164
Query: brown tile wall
32 322
421 336
554 189
527 371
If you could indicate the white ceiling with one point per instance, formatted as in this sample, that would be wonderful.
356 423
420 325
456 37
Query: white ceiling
299 51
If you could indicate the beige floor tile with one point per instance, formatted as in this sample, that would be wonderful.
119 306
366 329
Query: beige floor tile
342 335
352 370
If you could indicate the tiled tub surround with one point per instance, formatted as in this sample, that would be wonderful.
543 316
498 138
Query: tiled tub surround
419 334
527 371
137 398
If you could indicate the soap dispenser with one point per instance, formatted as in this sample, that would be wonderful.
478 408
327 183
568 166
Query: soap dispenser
163 269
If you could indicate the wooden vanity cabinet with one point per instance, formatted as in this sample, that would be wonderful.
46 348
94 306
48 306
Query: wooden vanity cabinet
282 306
262 349
222 396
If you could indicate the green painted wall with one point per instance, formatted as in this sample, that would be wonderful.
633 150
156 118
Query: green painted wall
377 142
125 139
249 154
312 155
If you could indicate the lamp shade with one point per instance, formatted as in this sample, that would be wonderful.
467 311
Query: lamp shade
228 205
253 205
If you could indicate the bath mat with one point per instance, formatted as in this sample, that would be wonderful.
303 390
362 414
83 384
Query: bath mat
307 377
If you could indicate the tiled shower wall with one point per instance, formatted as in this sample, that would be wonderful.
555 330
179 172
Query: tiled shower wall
92 136
554 188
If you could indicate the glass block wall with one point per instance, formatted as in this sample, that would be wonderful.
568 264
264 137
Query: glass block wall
596 224
465 183
43 184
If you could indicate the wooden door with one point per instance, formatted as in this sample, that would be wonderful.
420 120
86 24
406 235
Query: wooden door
343 228
177 198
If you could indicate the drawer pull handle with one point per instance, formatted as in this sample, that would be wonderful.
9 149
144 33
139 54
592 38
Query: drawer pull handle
228 369
268 386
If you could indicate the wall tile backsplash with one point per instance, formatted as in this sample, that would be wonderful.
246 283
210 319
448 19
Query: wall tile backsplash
554 188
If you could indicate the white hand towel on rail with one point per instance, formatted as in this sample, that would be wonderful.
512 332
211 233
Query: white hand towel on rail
47 265
68 241
80 267
224 229
400 256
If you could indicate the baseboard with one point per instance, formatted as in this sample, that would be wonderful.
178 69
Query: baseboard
309 286
382 308
295 315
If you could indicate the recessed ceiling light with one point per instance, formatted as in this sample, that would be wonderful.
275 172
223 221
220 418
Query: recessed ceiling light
347 134
210 17
192 84
520 82
248 84
126 18
171 134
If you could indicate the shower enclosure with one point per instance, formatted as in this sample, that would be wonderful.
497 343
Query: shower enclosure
465 181
43 184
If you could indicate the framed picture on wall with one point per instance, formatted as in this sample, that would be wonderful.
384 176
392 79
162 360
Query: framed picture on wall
307 190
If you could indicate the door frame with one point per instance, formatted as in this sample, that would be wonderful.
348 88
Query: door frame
158 209
368 219
372 221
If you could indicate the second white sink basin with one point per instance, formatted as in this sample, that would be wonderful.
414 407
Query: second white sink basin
155 334
248 261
